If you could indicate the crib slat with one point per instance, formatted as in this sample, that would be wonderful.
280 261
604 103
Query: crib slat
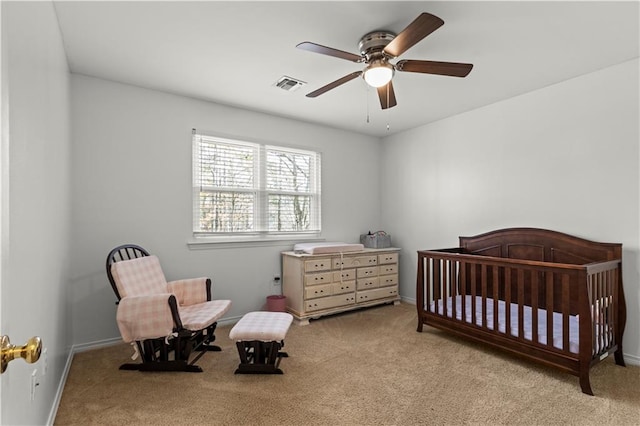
566 298
436 284
483 312
520 289
507 298
549 307
426 282
534 306
452 287
442 272
598 313
610 319
592 298
604 309
463 289
495 300
473 293
594 313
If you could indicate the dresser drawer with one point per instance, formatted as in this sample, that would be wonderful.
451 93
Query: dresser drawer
367 283
346 275
386 280
367 272
343 287
387 258
317 265
330 302
314 291
318 278
354 261
377 293
388 269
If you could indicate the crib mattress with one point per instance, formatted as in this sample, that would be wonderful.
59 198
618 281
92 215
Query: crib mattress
514 326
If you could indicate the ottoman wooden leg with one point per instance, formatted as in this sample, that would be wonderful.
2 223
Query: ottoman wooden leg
258 357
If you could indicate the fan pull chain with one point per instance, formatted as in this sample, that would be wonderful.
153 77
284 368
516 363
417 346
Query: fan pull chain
388 84
366 99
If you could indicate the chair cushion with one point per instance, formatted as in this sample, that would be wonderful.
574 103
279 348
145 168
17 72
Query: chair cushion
199 316
139 276
189 291
263 326
144 317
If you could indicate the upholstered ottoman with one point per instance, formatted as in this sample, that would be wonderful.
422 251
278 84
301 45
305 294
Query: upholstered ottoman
259 337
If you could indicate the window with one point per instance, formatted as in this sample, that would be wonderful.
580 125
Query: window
244 188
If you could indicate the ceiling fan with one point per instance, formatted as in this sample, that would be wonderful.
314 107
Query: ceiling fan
378 47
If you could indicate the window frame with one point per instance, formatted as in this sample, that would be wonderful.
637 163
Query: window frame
260 231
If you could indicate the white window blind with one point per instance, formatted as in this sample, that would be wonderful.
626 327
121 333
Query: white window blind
249 188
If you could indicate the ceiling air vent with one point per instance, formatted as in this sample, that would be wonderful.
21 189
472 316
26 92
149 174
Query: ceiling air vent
289 84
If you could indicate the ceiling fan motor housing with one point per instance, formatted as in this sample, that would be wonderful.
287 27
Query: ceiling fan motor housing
371 44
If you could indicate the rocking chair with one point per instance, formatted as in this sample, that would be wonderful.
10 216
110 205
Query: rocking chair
165 321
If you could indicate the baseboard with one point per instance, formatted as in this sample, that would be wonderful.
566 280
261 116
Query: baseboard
230 320
83 347
408 300
632 359
58 395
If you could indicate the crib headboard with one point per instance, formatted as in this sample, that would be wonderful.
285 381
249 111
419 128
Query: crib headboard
540 245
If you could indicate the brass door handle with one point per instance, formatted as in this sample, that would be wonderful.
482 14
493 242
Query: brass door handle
30 352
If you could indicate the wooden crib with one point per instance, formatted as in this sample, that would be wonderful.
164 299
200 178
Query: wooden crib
544 295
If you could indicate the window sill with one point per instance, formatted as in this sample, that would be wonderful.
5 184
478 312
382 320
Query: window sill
212 243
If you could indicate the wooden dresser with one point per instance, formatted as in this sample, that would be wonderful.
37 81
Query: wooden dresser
323 284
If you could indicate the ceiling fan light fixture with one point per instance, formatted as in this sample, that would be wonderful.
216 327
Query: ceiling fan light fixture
379 73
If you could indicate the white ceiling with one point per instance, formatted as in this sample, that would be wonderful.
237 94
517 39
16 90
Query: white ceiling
233 52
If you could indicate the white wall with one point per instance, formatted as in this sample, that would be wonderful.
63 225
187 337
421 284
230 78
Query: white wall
132 183
563 158
36 258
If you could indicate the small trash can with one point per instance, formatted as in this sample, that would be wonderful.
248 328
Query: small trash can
276 303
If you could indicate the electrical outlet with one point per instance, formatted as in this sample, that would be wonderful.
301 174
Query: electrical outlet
276 280
35 382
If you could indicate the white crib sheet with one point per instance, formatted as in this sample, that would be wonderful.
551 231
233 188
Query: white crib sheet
528 323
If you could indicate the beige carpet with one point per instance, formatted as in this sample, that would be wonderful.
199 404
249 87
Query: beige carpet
368 367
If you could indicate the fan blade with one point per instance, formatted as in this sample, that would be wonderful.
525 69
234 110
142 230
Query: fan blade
334 84
453 69
421 27
387 96
317 48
